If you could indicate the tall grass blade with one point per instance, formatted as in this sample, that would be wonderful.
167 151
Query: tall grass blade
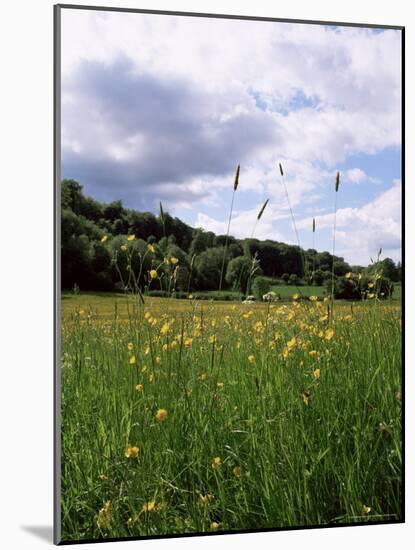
225 251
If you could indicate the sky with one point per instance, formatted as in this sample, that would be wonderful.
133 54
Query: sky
163 108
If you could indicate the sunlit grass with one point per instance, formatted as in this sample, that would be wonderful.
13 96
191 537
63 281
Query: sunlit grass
185 416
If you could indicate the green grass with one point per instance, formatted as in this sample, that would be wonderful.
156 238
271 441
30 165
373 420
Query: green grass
286 291
312 458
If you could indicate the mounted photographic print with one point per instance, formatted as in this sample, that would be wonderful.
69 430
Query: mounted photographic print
229 274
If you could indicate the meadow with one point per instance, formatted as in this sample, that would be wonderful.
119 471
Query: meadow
184 416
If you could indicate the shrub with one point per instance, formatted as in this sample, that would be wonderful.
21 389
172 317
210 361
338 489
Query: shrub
293 279
260 286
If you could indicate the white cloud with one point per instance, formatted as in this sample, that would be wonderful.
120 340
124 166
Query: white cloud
361 232
357 175
177 102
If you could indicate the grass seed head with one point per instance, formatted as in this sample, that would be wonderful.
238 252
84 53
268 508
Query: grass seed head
236 182
262 209
337 181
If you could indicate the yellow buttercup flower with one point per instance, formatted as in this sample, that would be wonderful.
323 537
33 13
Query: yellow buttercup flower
370 296
130 346
207 499
370 285
292 343
149 506
313 298
132 452
217 463
161 415
313 353
329 334
306 396
123 247
139 388
174 260
251 359
130 237
105 516
132 360
366 509
150 248
104 238
165 328
188 342
316 373
295 296
153 274
348 275
215 525
237 471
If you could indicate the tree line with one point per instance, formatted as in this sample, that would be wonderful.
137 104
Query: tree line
93 235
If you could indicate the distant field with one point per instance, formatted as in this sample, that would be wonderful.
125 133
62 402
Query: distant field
286 291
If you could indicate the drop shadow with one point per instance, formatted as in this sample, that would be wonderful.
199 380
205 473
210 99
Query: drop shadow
43 532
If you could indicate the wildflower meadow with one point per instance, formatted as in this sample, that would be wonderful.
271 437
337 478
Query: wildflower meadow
185 416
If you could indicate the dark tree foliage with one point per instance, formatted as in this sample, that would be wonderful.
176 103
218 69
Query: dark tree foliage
92 234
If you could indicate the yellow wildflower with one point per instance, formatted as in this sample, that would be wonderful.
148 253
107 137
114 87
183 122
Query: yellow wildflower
173 345
370 296
251 359
105 516
102 477
316 373
165 328
202 376
306 396
313 298
295 296
161 415
313 353
139 388
153 274
130 346
149 506
150 248
174 260
207 499
370 285
237 471
123 247
188 342
104 238
215 525
217 463
132 360
220 385
366 509
329 334
349 275
292 343
130 237
132 452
